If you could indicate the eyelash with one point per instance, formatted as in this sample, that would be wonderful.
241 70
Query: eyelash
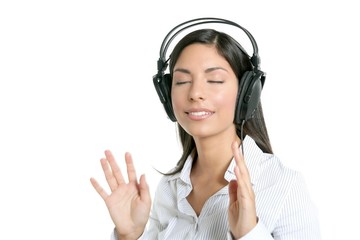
181 82
213 81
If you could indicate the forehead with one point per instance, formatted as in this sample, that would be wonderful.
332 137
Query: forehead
198 53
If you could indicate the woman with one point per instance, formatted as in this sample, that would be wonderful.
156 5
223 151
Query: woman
214 192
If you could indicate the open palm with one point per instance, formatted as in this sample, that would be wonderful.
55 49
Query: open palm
129 202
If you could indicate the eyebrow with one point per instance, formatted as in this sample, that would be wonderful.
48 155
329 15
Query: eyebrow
183 70
208 70
214 69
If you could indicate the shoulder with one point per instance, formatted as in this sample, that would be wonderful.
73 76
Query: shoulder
272 169
173 181
281 193
266 169
166 181
167 187
278 180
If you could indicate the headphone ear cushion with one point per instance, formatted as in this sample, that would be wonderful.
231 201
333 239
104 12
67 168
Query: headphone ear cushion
162 85
249 95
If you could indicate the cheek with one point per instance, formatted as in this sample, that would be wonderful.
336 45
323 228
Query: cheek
175 101
227 101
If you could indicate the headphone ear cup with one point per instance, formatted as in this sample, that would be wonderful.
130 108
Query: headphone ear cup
162 85
249 95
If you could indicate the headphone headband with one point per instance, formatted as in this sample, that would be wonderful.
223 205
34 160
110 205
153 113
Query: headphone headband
162 62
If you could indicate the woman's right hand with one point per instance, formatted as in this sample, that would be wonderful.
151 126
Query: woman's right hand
129 203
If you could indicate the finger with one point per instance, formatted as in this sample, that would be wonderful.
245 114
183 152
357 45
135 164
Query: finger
116 175
144 190
237 154
245 195
111 180
103 194
130 168
242 173
242 188
233 191
240 162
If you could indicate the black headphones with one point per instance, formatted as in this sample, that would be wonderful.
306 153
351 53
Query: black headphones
252 81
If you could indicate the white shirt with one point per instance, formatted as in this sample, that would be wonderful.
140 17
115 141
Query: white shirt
283 205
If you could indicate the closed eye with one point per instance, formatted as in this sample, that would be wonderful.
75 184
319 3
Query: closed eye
215 81
181 82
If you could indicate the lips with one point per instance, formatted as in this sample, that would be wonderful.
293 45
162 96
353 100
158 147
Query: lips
199 114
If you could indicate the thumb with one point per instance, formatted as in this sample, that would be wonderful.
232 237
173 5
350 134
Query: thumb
233 191
144 189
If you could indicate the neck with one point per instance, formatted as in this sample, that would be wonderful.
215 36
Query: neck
214 156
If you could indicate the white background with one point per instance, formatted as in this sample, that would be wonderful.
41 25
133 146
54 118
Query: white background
76 79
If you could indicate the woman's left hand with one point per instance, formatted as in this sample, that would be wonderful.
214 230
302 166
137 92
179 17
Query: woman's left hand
242 211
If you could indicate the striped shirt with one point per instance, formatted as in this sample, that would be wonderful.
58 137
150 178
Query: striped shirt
283 204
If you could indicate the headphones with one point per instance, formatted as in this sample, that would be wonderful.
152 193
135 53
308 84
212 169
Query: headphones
252 81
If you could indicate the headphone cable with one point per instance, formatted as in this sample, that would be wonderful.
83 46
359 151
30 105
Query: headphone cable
242 136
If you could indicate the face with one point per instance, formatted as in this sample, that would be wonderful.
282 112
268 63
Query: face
204 92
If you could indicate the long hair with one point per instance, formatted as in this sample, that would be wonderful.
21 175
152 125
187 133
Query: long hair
240 63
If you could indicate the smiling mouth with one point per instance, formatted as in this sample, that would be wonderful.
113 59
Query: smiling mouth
199 114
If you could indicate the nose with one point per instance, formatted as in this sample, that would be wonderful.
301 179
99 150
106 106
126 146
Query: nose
197 91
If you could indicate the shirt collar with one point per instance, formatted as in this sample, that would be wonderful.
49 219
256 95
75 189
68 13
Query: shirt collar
253 157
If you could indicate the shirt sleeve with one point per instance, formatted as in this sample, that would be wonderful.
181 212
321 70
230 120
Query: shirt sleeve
153 226
258 232
114 235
